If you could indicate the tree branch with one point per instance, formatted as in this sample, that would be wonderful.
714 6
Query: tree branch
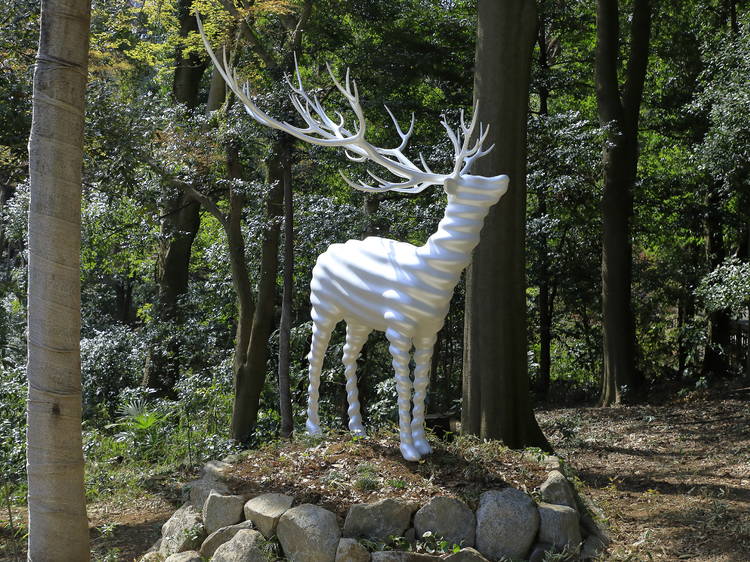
205 201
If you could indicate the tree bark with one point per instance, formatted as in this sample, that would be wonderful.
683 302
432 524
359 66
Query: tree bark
620 158
58 527
188 69
250 367
496 401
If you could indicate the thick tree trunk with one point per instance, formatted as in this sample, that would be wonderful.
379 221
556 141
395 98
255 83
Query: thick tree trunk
58 527
496 401
250 372
179 226
620 158
188 69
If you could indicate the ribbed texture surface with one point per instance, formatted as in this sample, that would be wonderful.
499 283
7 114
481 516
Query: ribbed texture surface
402 290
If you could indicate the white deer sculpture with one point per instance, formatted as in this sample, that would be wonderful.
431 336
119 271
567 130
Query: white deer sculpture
380 284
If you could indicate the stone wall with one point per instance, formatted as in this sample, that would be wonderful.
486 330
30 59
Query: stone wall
508 523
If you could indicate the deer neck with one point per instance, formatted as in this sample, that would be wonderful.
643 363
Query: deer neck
448 251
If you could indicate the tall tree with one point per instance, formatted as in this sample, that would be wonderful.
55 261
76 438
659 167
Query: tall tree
180 222
58 527
496 401
619 110
255 315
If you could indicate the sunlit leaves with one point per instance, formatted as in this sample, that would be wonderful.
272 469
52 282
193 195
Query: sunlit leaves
726 287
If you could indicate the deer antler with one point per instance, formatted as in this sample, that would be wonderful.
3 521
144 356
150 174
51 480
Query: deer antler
322 130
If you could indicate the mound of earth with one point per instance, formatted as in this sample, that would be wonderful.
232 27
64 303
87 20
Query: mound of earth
339 471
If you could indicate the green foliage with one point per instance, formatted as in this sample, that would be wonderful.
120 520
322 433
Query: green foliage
726 287
415 56
13 390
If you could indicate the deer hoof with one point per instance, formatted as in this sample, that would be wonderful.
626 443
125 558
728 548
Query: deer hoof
313 429
422 446
409 452
358 431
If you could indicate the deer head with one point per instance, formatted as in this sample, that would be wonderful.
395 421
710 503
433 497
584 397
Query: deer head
321 129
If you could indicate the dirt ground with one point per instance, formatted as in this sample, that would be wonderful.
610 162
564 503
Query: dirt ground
673 479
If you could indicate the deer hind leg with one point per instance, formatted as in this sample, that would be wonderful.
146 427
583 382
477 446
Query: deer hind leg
422 360
321 334
356 336
400 348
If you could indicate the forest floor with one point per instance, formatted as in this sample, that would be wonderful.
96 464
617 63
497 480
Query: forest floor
673 478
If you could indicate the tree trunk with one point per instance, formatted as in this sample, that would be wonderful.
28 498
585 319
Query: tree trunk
496 401
179 226
250 372
188 70
285 327
58 527
715 359
620 159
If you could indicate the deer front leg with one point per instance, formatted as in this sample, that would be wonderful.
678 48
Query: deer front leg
321 335
400 348
422 357
356 336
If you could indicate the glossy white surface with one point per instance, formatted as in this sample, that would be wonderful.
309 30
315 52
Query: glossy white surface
380 284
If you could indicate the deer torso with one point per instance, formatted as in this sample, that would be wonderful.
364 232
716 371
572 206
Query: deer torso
382 283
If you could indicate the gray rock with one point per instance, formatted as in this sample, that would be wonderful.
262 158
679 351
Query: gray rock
243 547
411 536
216 470
379 520
400 556
507 523
549 462
220 536
266 510
552 462
220 510
559 526
557 490
189 556
151 556
350 550
448 518
184 531
593 547
309 533
199 490
467 555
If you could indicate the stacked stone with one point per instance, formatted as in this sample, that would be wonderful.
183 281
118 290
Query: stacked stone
218 526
